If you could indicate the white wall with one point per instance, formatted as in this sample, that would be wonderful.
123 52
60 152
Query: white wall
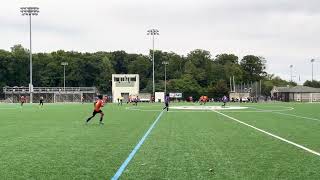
159 96
124 85
306 97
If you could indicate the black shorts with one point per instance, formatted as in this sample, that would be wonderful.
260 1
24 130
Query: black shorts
96 112
41 101
167 104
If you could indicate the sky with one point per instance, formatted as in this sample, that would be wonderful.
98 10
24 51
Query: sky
284 32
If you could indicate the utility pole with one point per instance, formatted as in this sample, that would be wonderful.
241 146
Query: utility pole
64 64
165 63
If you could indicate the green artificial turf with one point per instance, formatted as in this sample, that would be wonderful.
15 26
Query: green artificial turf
53 142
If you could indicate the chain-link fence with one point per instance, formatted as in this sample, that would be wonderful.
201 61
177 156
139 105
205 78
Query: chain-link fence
51 95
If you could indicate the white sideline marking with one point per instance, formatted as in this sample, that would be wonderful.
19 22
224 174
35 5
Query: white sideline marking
314 119
270 134
303 117
209 110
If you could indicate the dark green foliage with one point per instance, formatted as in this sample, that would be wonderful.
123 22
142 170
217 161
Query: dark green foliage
218 90
194 75
315 84
254 67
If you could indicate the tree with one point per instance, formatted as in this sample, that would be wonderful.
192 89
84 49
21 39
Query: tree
104 79
314 84
194 75
254 67
218 90
5 58
187 85
198 65
226 59
119 62
235 70
141 65
19 66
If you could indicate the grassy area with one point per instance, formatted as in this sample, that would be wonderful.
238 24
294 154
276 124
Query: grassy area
54 143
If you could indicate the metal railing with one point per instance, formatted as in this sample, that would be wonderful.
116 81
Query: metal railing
49 89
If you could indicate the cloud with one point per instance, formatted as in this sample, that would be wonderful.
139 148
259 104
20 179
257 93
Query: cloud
283 31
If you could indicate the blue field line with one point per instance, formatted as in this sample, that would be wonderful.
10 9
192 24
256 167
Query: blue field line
134 151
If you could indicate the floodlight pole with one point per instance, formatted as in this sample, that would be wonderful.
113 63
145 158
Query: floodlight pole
64 64
291 66
30 11
165 63
312 61
31 85
153 86
153 32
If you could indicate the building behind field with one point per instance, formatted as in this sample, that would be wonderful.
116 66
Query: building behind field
296 93
124 86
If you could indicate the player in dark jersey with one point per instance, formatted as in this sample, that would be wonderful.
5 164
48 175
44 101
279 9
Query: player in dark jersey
224 100
41 101
97 109
166 102
136 100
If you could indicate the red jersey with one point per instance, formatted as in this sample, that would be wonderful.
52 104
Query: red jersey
98 105
22 99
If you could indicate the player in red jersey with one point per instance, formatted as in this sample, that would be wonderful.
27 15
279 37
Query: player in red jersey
97 109
22 100
201 100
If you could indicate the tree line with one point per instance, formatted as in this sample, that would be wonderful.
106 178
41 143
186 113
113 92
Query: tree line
196 74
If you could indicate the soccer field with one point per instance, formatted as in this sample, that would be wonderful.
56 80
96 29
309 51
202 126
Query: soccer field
263 141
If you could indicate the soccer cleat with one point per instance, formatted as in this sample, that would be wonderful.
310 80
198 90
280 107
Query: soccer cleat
101 123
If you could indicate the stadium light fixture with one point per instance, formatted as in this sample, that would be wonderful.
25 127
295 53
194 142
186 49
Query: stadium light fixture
165 63
64 64
153 32
30 11
291 66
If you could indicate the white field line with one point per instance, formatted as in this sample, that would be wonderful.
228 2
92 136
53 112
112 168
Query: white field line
270 134
201 111
303 117
314 119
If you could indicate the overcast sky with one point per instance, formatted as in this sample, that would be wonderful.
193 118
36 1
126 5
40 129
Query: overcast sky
283 31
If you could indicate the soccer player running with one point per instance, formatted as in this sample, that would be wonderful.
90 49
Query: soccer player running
136 101
224 100
82 99
22 100
166 102
41 101
97 109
